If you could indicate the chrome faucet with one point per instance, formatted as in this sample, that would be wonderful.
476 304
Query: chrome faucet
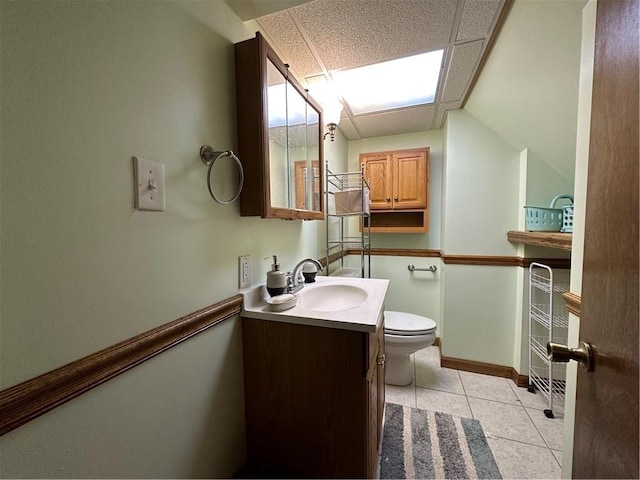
293 281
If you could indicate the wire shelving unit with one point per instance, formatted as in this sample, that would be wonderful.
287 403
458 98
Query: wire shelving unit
338 239
548 322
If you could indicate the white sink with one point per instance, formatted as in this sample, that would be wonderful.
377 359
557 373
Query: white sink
332 297
334 302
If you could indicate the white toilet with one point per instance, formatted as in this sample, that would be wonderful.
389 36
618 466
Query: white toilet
404 334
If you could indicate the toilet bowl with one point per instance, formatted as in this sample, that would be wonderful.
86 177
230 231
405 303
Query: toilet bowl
404 334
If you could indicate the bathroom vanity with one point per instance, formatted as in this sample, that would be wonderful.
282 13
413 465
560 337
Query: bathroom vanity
314 380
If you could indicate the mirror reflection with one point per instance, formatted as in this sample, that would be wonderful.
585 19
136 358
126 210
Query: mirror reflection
294 151
276 108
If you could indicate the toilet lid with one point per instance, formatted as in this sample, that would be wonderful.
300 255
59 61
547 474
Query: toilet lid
401 323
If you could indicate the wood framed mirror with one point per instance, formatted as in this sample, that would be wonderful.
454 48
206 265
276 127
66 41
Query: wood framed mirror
279 137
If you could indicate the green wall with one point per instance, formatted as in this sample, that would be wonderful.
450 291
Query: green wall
481 198
413 292
84 87
481 189
336 156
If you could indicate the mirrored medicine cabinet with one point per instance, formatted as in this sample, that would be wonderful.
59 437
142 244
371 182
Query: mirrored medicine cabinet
279 137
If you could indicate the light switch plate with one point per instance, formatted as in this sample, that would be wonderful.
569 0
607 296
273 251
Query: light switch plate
149 184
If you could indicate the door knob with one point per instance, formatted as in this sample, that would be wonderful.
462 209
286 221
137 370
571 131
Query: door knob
388 199
561 353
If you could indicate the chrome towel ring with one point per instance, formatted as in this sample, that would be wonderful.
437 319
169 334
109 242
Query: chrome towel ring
209 157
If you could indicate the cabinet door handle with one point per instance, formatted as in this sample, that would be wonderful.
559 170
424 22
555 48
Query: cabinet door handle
395 198
388 199
381 359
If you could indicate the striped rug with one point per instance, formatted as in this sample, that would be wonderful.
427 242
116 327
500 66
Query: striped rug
422 444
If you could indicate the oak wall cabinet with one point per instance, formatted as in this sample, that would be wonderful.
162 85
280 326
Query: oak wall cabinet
279 137
314 399
399 183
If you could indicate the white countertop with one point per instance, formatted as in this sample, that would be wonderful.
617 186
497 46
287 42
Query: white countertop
361 318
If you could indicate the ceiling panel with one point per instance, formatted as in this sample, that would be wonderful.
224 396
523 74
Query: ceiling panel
443 108
463 63
477 18
248 9
348 130
282 32
321 36
414 119
352 33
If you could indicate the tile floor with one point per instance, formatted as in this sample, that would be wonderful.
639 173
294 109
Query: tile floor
524 442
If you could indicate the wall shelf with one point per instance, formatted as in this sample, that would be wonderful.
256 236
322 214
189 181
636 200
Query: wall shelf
557 240
394 221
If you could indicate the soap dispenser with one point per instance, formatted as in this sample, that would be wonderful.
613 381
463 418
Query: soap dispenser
276 279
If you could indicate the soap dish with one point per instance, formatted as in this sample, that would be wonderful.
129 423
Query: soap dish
282 302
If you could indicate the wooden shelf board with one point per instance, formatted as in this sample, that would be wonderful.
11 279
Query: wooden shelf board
557 240
398 221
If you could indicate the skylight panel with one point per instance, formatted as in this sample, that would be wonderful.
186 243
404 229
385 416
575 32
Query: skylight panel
404 82
284 108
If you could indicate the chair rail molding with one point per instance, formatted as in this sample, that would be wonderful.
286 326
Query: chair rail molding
30 399
572 303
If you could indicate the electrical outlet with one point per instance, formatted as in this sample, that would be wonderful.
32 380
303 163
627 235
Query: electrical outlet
244 271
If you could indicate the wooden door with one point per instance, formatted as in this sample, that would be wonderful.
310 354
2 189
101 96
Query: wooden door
302 182
377 171
606 415
410 179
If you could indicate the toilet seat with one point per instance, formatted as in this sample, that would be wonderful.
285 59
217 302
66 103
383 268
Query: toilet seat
407 324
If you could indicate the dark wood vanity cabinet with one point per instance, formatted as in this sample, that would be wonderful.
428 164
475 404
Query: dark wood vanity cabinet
314 399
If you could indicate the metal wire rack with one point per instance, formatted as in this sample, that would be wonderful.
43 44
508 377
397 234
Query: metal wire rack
548 322
339 226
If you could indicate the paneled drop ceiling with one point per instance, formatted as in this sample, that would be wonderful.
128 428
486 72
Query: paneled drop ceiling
322 36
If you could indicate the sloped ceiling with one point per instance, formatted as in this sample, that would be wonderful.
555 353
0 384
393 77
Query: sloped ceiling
528 90
322 36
